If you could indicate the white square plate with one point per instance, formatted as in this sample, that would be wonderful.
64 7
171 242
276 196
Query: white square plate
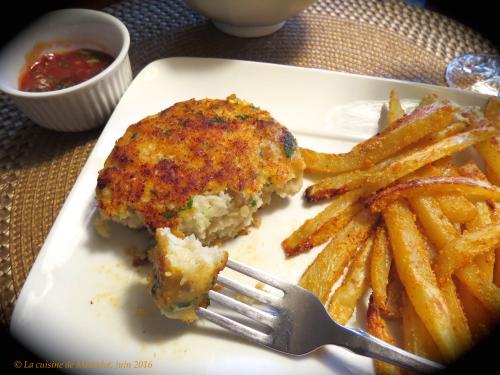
83 302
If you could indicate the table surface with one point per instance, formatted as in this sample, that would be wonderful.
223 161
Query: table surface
382 38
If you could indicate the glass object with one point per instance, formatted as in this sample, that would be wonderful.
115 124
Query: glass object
479 73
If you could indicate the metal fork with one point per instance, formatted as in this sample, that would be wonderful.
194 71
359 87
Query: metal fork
300 323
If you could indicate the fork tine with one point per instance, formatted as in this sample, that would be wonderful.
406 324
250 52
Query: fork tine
242 308
256 274
253 293
231 325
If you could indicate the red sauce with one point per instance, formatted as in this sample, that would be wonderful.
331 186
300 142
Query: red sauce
56 71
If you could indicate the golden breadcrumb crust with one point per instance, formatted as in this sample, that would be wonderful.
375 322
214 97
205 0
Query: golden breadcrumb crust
194 147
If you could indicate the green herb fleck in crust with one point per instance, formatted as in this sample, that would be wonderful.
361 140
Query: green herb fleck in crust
289 143
169 214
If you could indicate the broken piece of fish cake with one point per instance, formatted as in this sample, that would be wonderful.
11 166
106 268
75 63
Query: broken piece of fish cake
200 167
183 273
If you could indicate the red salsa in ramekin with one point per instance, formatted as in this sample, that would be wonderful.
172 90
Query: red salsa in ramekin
59 70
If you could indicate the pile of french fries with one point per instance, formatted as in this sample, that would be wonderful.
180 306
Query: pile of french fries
413 226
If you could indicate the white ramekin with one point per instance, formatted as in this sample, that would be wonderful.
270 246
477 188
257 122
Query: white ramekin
83 106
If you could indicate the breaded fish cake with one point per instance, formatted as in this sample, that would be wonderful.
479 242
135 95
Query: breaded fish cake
201 167
183 273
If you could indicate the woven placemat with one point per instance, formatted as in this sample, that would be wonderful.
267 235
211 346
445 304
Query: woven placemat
382 38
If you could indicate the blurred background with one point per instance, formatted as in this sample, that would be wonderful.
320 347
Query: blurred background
478 15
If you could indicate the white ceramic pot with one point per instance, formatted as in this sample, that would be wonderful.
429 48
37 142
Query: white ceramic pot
249 18
83 106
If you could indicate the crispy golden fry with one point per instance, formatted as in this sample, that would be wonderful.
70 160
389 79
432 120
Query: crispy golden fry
486 261
472 170
496 213
378 328
482 218
333 226
409 163
472 189
496 272
416 337
339 184
392 307
463 249
457 208
457 315
419 281
436 225
440 231
496 269
344 182
492 111
355 283
480 320
490 151
329 265
380 266
485 291
428 99
429 246
326 224
450 130
422 121
394 112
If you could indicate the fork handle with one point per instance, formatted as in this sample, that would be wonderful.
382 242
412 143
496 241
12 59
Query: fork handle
365 344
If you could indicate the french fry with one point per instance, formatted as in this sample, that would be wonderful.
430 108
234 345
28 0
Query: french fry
480 320
482 218
485 291
486 261
410 163
463 249
326 224
428 99
441 231
392 308
496 271
472 189
471 170
329 265
394 111
380 266
355 283
339 184
483 264
436 225
378 328
492 111
457 315
450 130
422 121
457 208
344 182
416 337
490 151
419 281
429 246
